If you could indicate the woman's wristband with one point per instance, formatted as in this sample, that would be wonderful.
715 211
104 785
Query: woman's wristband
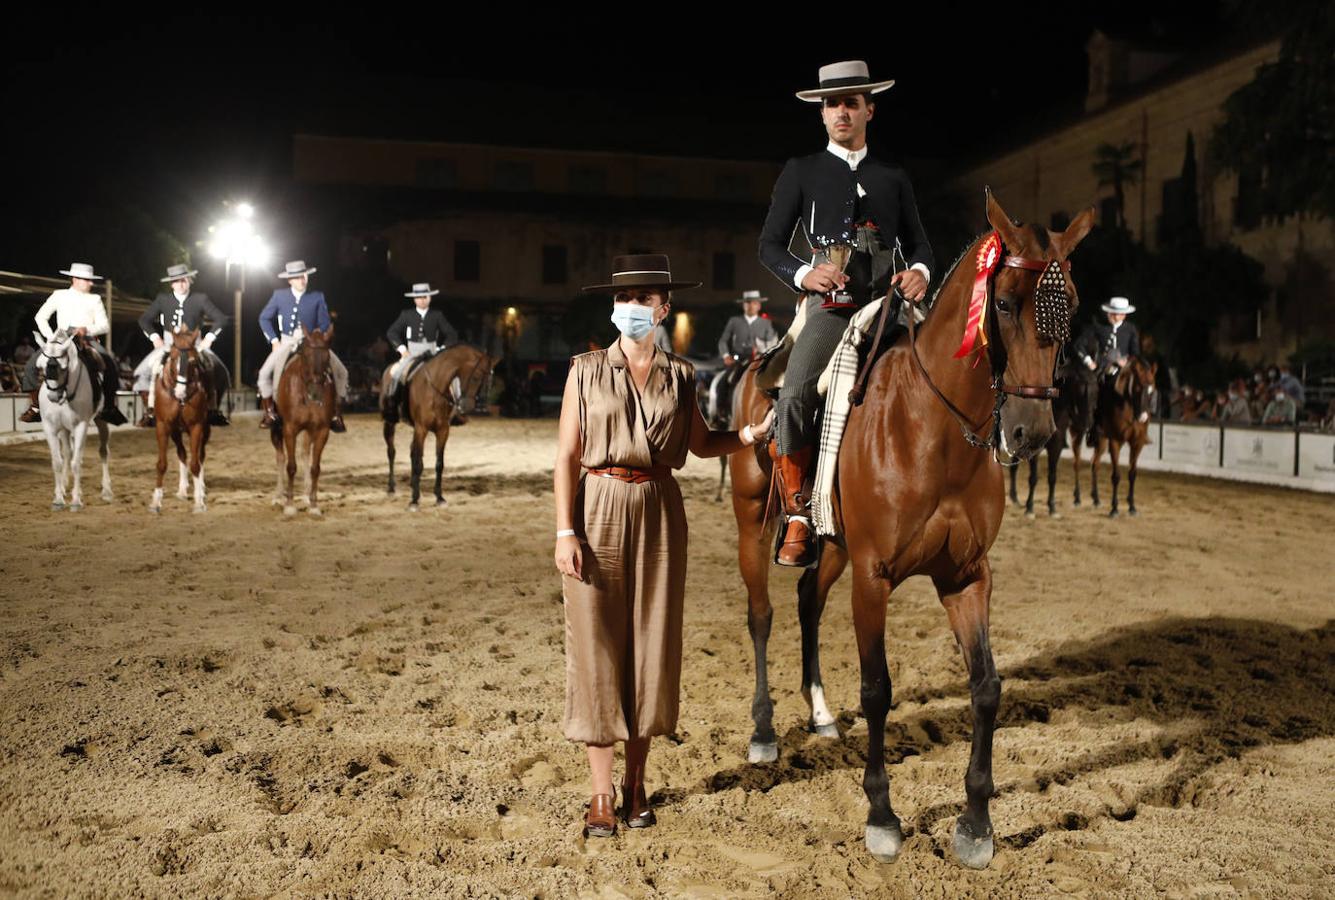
566 532
748 437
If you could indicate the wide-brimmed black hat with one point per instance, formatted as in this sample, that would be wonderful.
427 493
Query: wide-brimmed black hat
641 270
748 296
177 272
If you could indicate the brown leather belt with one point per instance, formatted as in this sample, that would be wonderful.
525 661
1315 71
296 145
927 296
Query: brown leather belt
632 474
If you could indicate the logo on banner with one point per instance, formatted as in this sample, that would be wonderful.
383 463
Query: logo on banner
1258 448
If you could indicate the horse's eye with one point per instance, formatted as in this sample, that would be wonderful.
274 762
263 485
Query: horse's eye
1005 304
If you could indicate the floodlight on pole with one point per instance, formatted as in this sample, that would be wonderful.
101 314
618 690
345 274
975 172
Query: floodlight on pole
235 242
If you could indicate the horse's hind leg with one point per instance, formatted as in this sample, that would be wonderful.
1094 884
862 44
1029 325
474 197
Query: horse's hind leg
316 447
966 606
388 431
1054 459
442 435
1094 471
1075 466
415 452
753 563
884 836
183 484
280 464
812 590
1033 483
289 468
722 476
1114 451
1131 479
104 455
1015 497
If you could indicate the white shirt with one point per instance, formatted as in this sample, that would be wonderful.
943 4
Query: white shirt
853 158
73 309
749 319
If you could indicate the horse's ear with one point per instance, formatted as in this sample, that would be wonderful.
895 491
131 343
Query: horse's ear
997 218
1080 226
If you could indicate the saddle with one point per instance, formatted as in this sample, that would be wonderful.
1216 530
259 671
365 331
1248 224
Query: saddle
93 362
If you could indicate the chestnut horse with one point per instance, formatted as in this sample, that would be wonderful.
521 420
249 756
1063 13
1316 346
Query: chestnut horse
305 401
1123 418
918 494
431 405
181 404
757 514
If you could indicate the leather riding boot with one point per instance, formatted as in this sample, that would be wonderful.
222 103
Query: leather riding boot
635 808
601 819
147 420
336 423
270 413
799 546
33 413
111 383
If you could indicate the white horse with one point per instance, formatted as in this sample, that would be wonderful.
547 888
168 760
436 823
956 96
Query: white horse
67 410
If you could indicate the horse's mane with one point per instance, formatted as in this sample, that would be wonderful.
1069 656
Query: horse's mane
1039 234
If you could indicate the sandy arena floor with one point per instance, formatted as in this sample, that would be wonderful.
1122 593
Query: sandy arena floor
238 704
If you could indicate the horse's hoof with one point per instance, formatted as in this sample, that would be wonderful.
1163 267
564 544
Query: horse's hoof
829 730
200 508
76 507
182 495
1132 512
277 501
441 501
1075 502
413 507
289 510
108 496
1113 513
762 753
972 852
315 511
1029 514
155 510
57 507
1053 514
884 843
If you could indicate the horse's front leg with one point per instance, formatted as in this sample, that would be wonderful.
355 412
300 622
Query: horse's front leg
290 467
884 836
415 452
182 463
104 455
1015 497
197 465
722 476
967 604
77 437
442 435
1076 446
155 505
388 431
280 464
1094 470
813 588
318 440
1131 479
1033 483
1054 459
54 442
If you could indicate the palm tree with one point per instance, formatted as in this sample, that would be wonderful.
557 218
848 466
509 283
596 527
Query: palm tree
1118 167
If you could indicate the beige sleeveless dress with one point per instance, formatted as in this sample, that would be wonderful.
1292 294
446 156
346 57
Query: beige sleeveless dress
623 618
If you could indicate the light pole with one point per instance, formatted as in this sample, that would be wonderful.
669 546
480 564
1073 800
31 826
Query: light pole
236 243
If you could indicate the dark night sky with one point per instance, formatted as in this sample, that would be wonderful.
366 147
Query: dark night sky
179 113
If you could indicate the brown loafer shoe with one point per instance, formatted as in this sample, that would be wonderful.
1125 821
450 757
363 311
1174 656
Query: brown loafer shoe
636 809
601 819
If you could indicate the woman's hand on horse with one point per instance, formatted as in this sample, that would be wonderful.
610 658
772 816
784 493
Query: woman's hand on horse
911 284
569 556
761 431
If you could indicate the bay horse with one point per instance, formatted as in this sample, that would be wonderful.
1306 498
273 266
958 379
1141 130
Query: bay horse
755 505
181 395
918 494
1123 418
68 407
305 401
430 405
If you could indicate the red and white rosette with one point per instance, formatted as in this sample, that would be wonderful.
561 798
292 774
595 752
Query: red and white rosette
975 335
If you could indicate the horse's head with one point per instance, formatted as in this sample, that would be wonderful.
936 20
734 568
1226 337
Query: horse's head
1033 297
315 348
184 355
1136 384
61 353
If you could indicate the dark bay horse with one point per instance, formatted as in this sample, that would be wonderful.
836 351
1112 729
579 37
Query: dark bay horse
919 494
1123 418
430 405
181 406
1072 414
755 505
305 400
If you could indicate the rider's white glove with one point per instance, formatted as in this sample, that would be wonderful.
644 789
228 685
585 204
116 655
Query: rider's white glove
157 341
207 342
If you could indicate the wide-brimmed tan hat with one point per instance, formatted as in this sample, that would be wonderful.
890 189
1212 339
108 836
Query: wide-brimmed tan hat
838 79
81 270
176 273
296 269
748 296
641 270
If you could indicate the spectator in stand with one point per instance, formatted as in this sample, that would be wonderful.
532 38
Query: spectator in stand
24 350
1218 406
1281 412
1194 405
1328 422
1291 385
1236 411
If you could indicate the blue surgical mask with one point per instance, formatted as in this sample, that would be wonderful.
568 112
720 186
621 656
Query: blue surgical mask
633 320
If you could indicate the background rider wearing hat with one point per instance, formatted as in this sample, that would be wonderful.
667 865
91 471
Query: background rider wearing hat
415 332
290 312
1103 347
184 309
77 311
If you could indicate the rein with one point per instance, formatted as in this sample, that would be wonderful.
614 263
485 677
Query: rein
65 391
